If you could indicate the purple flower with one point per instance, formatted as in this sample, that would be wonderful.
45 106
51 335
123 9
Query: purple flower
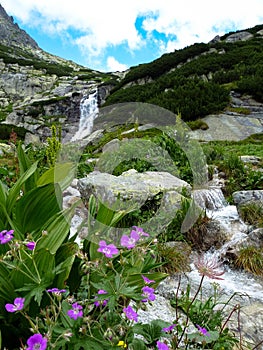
140 231
130 313
101 302
37 342
129 242
107 250
147 280
169 329
76 311
56 290
31 245
162 346
202 330
148 294
6 236
18 305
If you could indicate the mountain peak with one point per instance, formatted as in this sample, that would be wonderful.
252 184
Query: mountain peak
11 34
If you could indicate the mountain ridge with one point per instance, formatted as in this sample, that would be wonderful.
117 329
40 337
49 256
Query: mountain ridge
38 88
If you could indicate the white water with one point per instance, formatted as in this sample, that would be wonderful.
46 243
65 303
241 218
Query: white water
217 208
88 112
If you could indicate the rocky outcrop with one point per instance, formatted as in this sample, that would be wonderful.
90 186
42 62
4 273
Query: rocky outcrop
11 34
231 125
131 190
239 36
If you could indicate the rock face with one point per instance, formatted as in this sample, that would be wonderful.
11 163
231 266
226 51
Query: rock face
11 34
35 85
233 126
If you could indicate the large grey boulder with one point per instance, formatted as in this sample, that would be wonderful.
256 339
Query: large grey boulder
133 189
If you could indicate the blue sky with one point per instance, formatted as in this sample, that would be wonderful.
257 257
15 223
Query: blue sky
112 35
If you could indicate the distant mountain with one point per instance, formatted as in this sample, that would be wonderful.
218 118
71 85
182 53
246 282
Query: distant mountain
38 88
10 33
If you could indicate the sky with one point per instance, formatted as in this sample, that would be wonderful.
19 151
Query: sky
113 35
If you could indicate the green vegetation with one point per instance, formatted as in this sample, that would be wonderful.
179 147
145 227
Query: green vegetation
250 259
25 58
197 79
252 213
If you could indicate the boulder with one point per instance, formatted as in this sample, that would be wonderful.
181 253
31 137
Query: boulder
132 189
245 197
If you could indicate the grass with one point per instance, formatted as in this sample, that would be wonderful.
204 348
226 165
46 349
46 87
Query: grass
250 259
250 146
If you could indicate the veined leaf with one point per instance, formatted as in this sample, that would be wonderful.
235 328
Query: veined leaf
7 288
14 191
57 230
63 174
36 207
24 164
64 261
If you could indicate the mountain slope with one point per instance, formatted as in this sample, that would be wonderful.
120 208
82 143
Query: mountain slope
198 79
37 88
11 35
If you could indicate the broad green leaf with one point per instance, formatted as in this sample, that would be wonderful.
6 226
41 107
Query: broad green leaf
3 193
24 164
15 190
45 264
63 174
36 207
65 257
56 231
6 286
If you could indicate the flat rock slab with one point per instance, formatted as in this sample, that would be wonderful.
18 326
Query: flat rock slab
229 127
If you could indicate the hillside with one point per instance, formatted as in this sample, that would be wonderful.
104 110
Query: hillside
37 88
198 79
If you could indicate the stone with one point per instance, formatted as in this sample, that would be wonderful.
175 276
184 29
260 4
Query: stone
132 189
245 197
251 159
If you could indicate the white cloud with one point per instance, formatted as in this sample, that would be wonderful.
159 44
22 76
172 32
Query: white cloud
103 24
115 66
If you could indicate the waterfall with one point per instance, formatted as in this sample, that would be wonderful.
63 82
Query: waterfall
209 198
88 112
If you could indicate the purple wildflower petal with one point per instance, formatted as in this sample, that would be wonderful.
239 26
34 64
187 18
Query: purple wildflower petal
162 346
169 328
148 294
140 231
203 330
101 302
36 341
31 245
130 313
76 311
6 236
147 280
18 305
56 290
107 250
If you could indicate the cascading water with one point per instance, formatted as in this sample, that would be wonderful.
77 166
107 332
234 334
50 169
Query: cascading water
88 112
218 209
